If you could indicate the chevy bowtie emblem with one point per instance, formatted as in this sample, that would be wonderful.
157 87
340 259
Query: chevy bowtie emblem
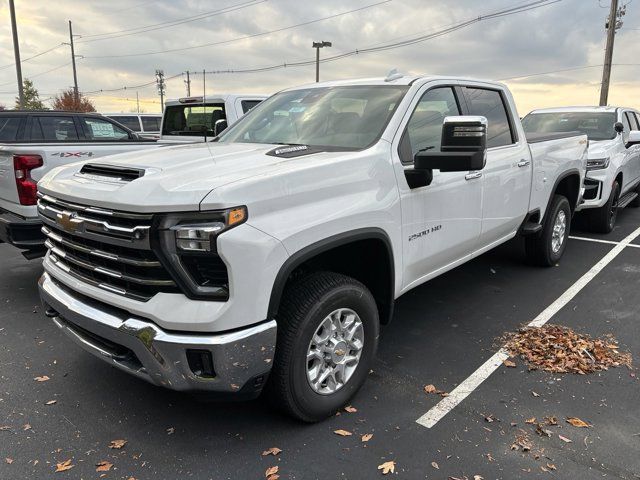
68 221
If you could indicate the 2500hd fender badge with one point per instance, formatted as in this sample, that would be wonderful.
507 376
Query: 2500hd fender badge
425 232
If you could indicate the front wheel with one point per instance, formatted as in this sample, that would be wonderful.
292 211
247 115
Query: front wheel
327 337
547 247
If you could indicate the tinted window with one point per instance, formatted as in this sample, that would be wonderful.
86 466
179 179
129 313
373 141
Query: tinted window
151 124
632 120
489 104
50 128
627 127
424 130
249 104
596 125
130 122
9 128
192 119
637 116
100 129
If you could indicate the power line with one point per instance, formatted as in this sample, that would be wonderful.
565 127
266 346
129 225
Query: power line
168 24
32 57
41 73
245 37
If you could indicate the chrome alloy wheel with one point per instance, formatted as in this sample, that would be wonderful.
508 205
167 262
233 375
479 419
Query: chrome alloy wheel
559 231
334 351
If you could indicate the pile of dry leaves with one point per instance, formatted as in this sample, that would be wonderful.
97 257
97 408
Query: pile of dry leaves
554 348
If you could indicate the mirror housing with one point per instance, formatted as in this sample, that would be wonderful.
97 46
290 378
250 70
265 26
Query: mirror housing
634 138
618 127
463 147
219 127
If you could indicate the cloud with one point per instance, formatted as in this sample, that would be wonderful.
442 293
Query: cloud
560 36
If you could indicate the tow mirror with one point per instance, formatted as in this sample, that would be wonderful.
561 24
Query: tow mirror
618 127
463 146
634 138
219 127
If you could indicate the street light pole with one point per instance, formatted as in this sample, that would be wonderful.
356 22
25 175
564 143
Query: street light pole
318 46
16 52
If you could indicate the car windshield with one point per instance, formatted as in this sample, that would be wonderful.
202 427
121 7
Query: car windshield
192 120
342 118
596 125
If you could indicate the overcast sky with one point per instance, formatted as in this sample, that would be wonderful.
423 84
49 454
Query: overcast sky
564 35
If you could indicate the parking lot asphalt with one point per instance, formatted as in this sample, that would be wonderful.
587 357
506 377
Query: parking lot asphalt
441 333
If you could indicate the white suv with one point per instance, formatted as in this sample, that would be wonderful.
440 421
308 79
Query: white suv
613 169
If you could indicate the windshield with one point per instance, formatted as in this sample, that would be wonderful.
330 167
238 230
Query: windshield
596 125
192 119
351 117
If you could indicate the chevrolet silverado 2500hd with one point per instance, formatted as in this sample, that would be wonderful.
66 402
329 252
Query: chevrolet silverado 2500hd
32 143
613 168
271 256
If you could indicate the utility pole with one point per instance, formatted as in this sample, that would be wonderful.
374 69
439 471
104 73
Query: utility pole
73 62
318 46
187 82
613 24
161 87
16 52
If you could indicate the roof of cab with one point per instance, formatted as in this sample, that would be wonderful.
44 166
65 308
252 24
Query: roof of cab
579 109
224 97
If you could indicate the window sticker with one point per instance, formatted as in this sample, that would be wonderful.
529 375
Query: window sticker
102 130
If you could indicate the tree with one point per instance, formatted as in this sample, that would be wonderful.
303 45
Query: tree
2 108
67 101
31 97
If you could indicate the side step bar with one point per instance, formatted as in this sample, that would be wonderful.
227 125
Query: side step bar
627 199
530 228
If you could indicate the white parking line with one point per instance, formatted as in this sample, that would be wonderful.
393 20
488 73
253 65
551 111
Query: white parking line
598 240
462 391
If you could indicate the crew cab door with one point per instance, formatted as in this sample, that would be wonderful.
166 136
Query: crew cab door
440 221
506 178
631 162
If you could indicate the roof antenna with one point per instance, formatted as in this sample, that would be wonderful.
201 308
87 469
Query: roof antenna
204 104
393 75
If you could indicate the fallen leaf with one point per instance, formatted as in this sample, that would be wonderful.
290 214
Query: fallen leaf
51 402
103 466
64 466
509 363
343 433
271 471
117 444
535 394
387 467
551 420
565 439
170 430
26 426
271 451
9 460
551 466
430 389
435 465
531 421
275 476
478 477
366 437
43 378
576 422
350 409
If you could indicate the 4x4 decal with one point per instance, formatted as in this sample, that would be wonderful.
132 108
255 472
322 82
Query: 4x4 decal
72 154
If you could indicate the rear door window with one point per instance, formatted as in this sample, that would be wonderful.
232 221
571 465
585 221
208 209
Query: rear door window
627 126
9 127
52 128
151 124
490 104
633 122
101 129
130 121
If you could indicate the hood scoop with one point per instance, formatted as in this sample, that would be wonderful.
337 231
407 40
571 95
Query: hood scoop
110 173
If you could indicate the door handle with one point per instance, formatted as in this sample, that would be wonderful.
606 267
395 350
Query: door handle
472 175
523 163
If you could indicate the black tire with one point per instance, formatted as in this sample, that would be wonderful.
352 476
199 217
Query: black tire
603 219
539 247
305 304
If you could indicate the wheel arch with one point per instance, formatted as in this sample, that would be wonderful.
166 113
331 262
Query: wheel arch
378 277
568 185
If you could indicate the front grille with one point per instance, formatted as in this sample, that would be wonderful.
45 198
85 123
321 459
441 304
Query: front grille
104 248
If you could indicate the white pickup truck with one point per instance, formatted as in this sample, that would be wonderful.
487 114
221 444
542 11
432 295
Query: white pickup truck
613 168
34 142
193 119
272 256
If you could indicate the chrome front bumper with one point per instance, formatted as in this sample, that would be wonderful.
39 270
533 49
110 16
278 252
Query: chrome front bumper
241 359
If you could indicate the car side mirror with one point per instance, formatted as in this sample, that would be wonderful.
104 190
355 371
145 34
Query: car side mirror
618 127
463 147
219 127
634 138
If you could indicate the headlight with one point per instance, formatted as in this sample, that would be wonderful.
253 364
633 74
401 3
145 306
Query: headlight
597 163
187 246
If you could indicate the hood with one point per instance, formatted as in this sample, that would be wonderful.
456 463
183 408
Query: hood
173 178
600 148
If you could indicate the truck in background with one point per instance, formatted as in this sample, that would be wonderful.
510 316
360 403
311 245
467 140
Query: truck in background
146 125
190 119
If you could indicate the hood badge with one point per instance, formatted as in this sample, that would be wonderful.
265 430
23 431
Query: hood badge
291 149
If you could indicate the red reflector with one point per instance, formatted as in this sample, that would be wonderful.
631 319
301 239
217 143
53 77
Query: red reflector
27 186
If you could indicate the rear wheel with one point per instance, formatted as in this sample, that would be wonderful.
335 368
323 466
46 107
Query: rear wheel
327 337
547 247
603 219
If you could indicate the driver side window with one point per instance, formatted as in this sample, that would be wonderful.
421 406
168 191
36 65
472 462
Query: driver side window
424 130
